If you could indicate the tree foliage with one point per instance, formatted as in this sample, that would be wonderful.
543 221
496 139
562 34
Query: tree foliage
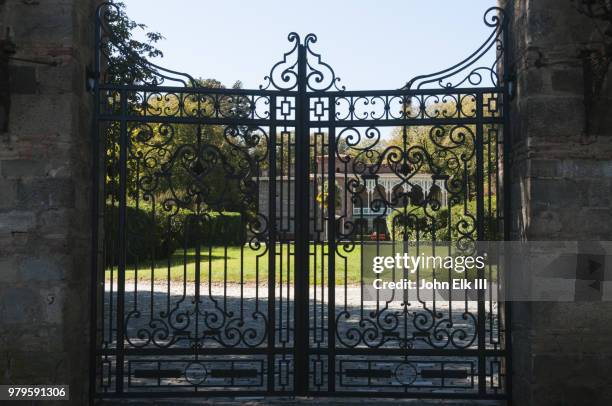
451 149
155 170
444 224
127 59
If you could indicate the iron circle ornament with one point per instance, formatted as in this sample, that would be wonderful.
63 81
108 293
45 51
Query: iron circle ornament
196 373
406 373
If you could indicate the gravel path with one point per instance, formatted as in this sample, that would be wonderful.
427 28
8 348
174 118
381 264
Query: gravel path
237 315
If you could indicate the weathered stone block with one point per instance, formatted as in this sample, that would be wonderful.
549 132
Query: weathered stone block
554 117
8 192
46 338
546 223
599 193
8 270
17 221
51 222
589 169
20 168
568 80
53 304
552 368
535 81
60 79
575 221
558 192
25 367
545 168
572 394
41 269
48 193
36 25
20 306
550 316
23 80
42 115
554 24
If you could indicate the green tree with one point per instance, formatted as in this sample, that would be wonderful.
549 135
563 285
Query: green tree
450 152
451 149
127 59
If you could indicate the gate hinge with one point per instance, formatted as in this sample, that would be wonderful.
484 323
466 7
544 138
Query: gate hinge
91 76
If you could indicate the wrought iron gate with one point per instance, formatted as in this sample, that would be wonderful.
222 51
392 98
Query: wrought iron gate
233 223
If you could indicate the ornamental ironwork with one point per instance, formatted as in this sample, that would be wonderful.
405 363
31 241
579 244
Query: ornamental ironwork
233 222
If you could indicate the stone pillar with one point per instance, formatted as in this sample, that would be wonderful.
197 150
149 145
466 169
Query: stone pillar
561 188
45 196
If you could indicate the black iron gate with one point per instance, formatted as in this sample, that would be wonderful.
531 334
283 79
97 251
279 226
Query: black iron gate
234 223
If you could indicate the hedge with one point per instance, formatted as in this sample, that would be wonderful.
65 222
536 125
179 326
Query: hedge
211 229
166 232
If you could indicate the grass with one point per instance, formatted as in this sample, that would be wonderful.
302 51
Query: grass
246 264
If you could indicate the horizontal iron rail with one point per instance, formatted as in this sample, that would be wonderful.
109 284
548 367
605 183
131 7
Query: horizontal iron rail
312 124
293 93
205 391
313 351
405 92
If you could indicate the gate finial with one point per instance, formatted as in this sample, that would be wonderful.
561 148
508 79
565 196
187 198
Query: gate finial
320 76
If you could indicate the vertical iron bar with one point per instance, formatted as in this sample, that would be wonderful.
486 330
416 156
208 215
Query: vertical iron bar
95 219
272 244
123 145
198 248
331 249
506 190
302 216
480 237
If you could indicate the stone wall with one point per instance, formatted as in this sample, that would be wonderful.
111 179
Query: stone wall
45 188
561 190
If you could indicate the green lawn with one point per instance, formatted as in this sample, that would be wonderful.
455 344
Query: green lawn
236 264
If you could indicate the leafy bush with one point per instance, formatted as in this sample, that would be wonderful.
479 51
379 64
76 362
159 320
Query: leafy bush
413 220
211 229
145 239
405 224
157 236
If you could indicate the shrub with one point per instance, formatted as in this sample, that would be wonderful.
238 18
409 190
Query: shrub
413 220
404 223
157 237
212 229
145 239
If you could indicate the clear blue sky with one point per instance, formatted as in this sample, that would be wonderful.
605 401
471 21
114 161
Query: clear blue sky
371 44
